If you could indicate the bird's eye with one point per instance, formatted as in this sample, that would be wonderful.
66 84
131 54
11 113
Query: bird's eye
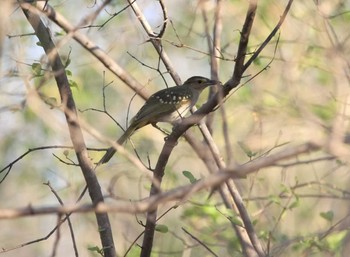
200 81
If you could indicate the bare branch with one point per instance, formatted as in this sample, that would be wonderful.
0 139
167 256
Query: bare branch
200 242
179 193
86 43
60 221
73 124
156 42
269 38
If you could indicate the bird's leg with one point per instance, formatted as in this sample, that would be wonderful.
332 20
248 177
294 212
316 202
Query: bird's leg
159 128
174 124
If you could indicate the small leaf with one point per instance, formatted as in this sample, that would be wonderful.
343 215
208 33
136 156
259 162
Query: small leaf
293 205
336 240
275 199
93 248
61 33
68 73
325 112
96 249
73 84
246 150
68 61
66 153
327 215
36 68
162 228
190 176
257 61
235 220
51 101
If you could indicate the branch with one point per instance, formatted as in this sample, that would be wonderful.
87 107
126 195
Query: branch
200 242
268 39
179 193
229 85
90 46
75 131
195 119
9 166
155 40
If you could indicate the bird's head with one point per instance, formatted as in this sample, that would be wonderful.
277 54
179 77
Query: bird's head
200 83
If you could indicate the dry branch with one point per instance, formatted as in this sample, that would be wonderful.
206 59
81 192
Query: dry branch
177 194
75 131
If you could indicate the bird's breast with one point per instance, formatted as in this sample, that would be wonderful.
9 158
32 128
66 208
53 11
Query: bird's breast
179 113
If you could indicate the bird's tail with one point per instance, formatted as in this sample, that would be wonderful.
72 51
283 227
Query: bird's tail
111 151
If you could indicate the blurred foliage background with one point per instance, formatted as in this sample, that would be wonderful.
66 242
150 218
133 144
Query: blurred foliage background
298 208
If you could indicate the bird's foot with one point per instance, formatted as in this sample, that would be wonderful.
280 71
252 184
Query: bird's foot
170 140
160 129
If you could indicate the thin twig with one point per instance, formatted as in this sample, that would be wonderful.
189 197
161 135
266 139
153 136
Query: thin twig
58 237
9 166
60 221
269 37
90 46
156 42
67 215
200 242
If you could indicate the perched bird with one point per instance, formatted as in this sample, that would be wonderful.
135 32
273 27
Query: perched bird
166 105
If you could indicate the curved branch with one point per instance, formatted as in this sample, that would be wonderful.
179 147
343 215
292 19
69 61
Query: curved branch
165 19
155 42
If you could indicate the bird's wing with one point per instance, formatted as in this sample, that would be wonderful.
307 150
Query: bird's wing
159 105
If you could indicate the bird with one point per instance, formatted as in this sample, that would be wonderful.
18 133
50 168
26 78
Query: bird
167 105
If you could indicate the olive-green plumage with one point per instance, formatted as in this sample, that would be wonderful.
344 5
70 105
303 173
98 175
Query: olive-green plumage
167 105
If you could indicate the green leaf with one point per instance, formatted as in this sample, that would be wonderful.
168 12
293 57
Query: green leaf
61 33
325 112
162 228
66 153
329 215
51 101
73 84
275 199
36 68
246 149
295 203
190 176
93 248
68 61
235 220
96 249
257 61
335 241
68 73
